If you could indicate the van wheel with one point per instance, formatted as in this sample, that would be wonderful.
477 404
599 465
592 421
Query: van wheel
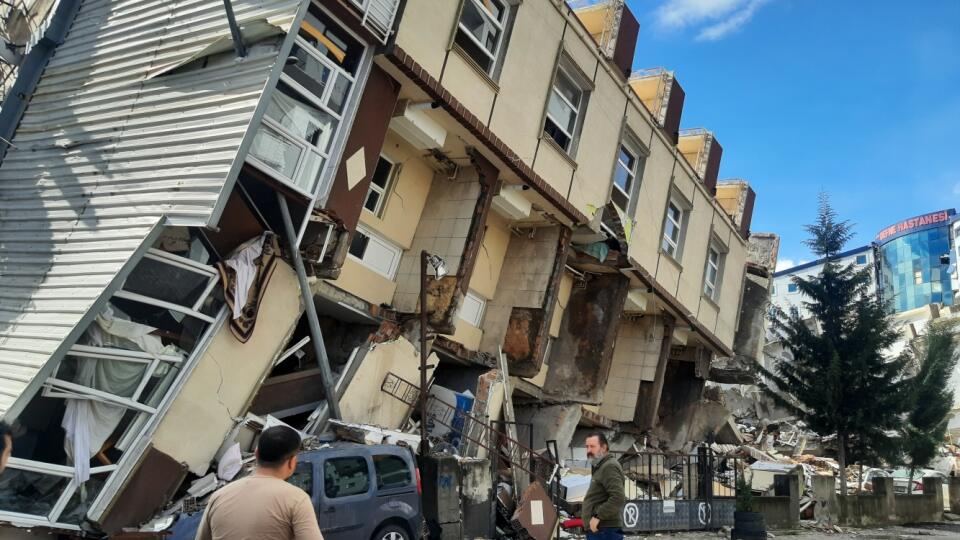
391 532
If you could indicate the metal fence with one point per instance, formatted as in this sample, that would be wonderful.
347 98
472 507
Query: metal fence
678 491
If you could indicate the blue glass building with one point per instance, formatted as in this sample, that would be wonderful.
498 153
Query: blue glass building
911 265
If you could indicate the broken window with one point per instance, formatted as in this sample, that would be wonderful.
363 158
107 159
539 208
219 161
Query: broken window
98 401
302 477
347 476
306 108
380 184
482 32
565 106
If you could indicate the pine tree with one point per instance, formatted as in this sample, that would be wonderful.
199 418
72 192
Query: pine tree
930 399
838 380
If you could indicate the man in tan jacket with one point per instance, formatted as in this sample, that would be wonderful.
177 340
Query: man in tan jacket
263 506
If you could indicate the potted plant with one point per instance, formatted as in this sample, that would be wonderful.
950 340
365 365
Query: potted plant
747 524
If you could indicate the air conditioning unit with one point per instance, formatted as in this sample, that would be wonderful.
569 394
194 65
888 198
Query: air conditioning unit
511 204
416 127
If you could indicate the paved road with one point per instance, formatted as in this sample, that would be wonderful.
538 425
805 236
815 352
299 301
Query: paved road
917 532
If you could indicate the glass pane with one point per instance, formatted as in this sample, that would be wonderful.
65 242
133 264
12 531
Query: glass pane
622 178
28 492
302 477
343 477
478 23
561 112
392 472
116 377
316 71
626 159
371 203
555 133
79 503
300 116
166 282
619 199
332 41
184 241
339 94
381 175
276 151
566 87
359 244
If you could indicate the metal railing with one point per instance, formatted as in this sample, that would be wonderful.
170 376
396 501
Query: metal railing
665 476
476 431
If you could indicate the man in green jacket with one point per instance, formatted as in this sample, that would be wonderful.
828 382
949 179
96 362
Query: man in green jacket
603 503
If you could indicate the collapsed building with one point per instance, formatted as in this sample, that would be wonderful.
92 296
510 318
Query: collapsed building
213 211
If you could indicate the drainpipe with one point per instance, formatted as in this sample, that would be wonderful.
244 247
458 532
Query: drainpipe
316 336
234 30
31 68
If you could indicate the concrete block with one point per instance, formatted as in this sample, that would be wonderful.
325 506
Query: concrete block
955 495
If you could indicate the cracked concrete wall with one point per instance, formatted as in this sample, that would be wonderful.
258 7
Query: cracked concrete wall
363 400
227 376
635 357
517 314
443 230
580 358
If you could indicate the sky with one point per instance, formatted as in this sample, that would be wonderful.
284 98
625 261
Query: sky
859 99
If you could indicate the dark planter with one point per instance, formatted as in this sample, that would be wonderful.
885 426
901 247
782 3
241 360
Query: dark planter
748 526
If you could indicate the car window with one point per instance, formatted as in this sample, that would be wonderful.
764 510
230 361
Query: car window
347 476
392 472
302 477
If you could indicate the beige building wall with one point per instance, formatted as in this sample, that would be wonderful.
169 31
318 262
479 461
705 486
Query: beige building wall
364 283
364 402
513 108
407 196
224 381
486 271
563 297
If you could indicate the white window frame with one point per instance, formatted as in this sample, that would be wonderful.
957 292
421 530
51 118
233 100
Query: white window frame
501 25
384 191
387 245
712 289
675 249
577 82
321 102
57 388
632 147
473 316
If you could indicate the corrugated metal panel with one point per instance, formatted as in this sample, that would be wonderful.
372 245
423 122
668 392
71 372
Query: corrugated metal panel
108 149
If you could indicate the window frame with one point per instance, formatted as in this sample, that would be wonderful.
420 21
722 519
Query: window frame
145 416
630 144
712 290
479 300
321 174
383 192
397 251
504 27
568 69
792 288
676 253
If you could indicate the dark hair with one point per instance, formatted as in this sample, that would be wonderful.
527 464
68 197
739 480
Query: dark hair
4 433
276 445
600 437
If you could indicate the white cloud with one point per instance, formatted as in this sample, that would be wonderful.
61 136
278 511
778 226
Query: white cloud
783 264
714 18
